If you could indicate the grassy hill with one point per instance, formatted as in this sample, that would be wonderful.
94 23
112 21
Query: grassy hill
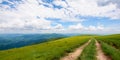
52 50
55 49
8 41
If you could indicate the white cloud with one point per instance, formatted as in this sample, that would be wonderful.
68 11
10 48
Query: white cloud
59 26
92 28
60 3
78 7
26 24
91 8
24 15
100 27
76 27
80 27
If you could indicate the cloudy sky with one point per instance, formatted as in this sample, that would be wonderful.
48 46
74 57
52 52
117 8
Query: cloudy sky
60 16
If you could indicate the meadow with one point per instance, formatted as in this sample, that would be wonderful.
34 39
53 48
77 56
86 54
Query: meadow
56 49
52 50
9 41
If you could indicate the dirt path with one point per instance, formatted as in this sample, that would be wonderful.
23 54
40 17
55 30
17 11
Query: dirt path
100 54
74 55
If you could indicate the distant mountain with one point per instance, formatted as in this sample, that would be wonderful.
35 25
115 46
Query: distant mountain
8 41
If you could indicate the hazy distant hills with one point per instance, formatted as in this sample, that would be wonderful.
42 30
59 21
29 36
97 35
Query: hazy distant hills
8 41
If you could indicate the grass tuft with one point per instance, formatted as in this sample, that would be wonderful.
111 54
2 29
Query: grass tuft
89 52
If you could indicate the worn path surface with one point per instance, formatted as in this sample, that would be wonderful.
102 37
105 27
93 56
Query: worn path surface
100 53
74 55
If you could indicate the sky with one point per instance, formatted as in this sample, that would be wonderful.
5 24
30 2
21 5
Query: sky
60 16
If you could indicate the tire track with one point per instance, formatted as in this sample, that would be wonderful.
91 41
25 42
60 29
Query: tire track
74 55
100 53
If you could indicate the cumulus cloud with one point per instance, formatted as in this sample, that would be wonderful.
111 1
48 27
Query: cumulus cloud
91 8
31 14
26 24
68 10
60 3
76 27
58 26
81 27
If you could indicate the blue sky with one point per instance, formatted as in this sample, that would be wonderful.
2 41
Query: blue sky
60 16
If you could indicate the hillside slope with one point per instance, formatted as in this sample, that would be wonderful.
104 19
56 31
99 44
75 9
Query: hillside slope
8 41
52 50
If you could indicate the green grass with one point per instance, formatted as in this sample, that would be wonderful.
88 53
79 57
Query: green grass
113 40
110 51
89 52
52 50
110 45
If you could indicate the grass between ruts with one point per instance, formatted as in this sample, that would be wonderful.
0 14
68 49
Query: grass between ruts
89 52
52 50
110 51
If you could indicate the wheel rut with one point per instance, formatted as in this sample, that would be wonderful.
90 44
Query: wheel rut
100 54
75 54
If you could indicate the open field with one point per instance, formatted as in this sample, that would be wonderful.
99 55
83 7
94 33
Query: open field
46 51
59 29
108 46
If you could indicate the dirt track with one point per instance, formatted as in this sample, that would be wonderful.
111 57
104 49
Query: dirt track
100 54
74 55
